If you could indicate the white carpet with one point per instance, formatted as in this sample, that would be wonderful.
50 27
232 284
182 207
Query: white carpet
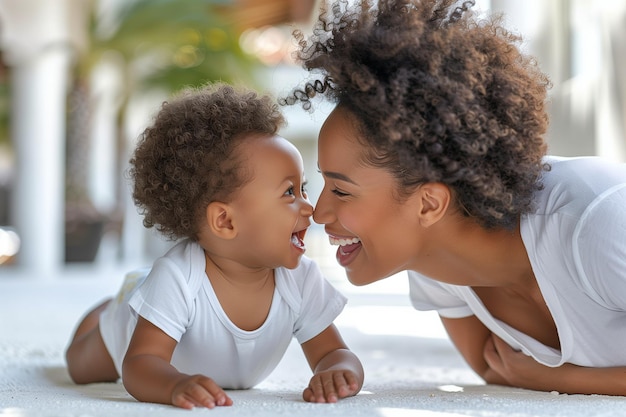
412 370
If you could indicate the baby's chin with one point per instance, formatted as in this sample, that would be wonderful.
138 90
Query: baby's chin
293 265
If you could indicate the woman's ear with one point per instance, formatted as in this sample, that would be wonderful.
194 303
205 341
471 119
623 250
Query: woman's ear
219 220
434 198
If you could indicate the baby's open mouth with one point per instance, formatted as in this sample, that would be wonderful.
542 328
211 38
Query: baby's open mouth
297 239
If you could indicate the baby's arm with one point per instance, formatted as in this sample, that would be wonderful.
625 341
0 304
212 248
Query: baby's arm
148 375
338 373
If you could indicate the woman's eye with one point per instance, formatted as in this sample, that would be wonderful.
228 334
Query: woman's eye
339 193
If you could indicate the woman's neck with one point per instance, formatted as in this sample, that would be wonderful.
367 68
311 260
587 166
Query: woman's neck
465 253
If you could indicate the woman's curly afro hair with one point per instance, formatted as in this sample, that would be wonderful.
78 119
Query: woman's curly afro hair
437 96
186 159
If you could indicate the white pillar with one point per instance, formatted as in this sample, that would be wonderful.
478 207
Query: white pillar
552 34
103 166
543 26
39 39
611 91
38 136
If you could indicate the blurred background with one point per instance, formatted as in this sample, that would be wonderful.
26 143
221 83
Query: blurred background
80 79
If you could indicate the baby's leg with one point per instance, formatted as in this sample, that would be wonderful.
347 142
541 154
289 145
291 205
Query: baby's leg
88 359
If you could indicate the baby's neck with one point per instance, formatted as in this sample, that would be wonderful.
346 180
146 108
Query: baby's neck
244 294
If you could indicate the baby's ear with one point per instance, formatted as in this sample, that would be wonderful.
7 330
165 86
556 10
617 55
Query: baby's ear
219 219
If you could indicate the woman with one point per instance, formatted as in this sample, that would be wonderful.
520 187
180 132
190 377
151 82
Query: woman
434 162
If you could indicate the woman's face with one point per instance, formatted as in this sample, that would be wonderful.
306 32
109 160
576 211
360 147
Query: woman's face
376 234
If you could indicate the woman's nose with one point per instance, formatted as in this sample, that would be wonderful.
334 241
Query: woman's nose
321 215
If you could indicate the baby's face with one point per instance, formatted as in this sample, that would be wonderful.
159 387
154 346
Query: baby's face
272 211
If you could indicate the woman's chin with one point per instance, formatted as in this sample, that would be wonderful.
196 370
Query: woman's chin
359 280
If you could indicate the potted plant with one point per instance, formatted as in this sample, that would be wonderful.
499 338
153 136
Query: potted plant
159 44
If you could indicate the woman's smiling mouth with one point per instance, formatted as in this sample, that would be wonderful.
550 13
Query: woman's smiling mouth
348 248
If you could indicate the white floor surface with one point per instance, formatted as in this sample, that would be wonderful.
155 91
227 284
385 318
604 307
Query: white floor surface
412 370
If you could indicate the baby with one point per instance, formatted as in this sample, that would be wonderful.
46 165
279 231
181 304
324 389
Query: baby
220 308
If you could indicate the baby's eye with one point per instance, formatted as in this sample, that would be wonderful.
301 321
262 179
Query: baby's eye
290 191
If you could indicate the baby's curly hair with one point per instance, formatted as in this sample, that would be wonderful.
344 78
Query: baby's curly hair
186 159
437 96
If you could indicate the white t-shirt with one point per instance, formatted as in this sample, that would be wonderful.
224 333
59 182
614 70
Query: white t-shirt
576 243
177 297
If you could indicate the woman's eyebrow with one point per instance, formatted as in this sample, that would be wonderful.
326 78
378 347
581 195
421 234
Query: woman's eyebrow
335 175
338 176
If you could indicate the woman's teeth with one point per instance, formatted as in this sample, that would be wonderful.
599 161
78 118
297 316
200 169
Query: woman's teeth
343 242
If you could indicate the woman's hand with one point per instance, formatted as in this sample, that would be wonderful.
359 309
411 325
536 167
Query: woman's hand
497 363
515 368
523 371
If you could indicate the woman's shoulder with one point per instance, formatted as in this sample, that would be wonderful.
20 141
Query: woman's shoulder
578 222
570 185
591 172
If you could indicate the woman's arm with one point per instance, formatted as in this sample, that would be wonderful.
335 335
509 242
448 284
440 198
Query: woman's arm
148 375
338 373
522 371
497 363
470 336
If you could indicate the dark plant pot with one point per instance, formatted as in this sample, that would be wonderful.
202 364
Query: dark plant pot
82 240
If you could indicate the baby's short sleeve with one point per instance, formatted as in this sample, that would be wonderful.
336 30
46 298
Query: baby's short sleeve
164 299
320 302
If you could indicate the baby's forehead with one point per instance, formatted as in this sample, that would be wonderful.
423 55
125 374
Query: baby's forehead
258 145
266 154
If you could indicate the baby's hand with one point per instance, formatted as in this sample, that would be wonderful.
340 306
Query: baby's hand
330 386
199 391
